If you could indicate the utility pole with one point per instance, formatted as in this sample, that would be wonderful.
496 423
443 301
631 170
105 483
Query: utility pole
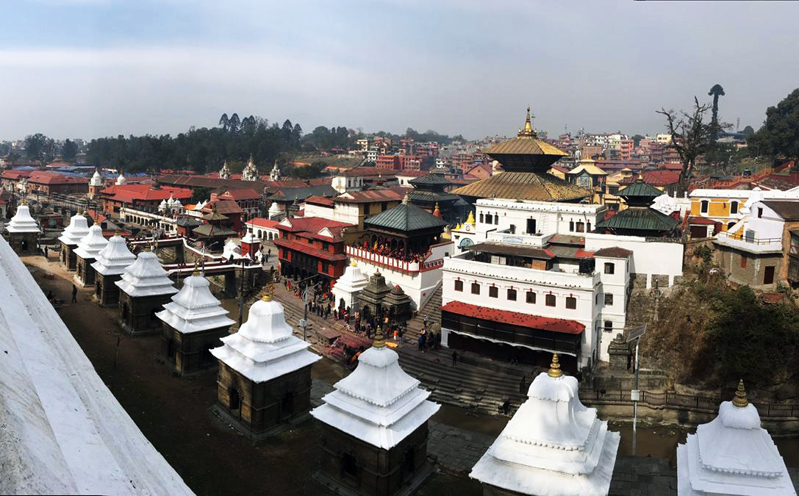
635 395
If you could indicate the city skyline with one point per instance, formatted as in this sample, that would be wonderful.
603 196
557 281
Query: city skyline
91 68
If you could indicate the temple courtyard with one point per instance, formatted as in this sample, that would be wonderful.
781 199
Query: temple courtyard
174 414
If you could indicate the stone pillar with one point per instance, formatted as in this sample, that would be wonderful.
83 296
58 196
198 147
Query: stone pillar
619 352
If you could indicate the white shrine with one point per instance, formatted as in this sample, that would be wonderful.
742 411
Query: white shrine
274 175
87 252
121 180
732 455
250 172
225 172
193 323
144 288
70 237
553 445
349 286
23 231
375 426
96 184
264 375
109 266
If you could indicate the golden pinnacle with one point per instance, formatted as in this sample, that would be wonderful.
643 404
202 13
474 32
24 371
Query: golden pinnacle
269 292
196 271
740 396
554 367
379 342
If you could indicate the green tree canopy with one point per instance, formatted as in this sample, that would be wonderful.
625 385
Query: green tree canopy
39 147
779 135
69 151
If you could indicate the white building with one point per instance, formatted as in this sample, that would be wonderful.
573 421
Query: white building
553 445
63 431
250 172
732 454
264 229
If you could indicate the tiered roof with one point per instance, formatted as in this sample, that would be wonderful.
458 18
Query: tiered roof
78 228
732 455
405 217
22 222
114 258
146 277
378 403
91 244
553 445
264 348
352 280
194 308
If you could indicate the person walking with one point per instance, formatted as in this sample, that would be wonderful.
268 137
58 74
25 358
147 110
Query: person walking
74 294
454 357
268 254
523 385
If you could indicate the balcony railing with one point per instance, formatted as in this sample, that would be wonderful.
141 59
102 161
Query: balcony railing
394 263
738 236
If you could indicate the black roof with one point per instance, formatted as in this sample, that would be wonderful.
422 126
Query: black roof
787 209
639 219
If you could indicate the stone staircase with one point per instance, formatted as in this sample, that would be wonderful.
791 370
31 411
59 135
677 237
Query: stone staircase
475 383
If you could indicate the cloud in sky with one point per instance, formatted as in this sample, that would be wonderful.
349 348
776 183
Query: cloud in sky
86 68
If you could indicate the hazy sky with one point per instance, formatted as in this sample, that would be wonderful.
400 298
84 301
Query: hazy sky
88 68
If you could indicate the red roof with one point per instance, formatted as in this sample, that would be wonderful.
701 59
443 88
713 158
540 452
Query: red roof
371 196
319 200
515 318
613 252
309 250
16 174
261 222
662 177
44 177
240 194
145 192
311 224
700 221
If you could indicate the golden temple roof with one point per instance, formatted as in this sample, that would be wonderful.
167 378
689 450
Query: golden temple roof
524 186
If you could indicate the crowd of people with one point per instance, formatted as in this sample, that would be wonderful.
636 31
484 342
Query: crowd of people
398 252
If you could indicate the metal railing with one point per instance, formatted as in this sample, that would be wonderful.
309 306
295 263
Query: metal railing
755 241
677 401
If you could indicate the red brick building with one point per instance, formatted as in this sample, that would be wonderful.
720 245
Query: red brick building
312 247
142 196
49 183
388 162
248 200
230 209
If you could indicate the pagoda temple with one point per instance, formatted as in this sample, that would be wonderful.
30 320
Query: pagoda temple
264 378
348 287
374 428
194 322
70 238
109 267
638 219
732 454
525 160
144 289
429 193
22 232
553 445
87 252
371 297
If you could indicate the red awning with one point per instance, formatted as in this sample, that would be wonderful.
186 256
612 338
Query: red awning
514 318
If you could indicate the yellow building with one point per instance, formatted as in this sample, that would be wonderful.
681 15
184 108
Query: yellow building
719 205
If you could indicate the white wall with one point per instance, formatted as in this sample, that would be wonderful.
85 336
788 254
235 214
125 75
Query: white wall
649 257
769 226
550 217
312 210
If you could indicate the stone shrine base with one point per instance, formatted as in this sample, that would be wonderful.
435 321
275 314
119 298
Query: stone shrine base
408 488
258 437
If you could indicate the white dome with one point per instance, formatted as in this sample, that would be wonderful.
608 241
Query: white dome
22 221
97 179
194 308
78 228
121 180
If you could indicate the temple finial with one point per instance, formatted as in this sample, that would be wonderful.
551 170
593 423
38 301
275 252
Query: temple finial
528 126
353 263
269 292
554 367
406 199
740 396
196 271
379 342
116 232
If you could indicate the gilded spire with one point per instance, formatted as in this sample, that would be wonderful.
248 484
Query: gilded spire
196 271
269 292
740 396
353 263
379 342
116 232
528 130
554 367
470 219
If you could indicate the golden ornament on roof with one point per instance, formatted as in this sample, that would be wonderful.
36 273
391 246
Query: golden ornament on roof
554 367
379 342
740 396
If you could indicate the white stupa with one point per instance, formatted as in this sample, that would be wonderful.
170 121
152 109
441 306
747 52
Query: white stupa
553 446
77 229
225 172
146 277
114 258
194 308
121 180
97 179
274 210
23 222
163 206
265 348
378 403
732 455
90 245
349 285
250 172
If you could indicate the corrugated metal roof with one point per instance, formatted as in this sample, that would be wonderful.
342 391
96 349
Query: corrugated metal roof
640 189
524 186
431 179
406 218
639 219
513 250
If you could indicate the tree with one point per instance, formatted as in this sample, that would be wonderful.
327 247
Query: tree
716 91
69 151
39 147
200 194
690 136
224 121
748 131
235 123
779 134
